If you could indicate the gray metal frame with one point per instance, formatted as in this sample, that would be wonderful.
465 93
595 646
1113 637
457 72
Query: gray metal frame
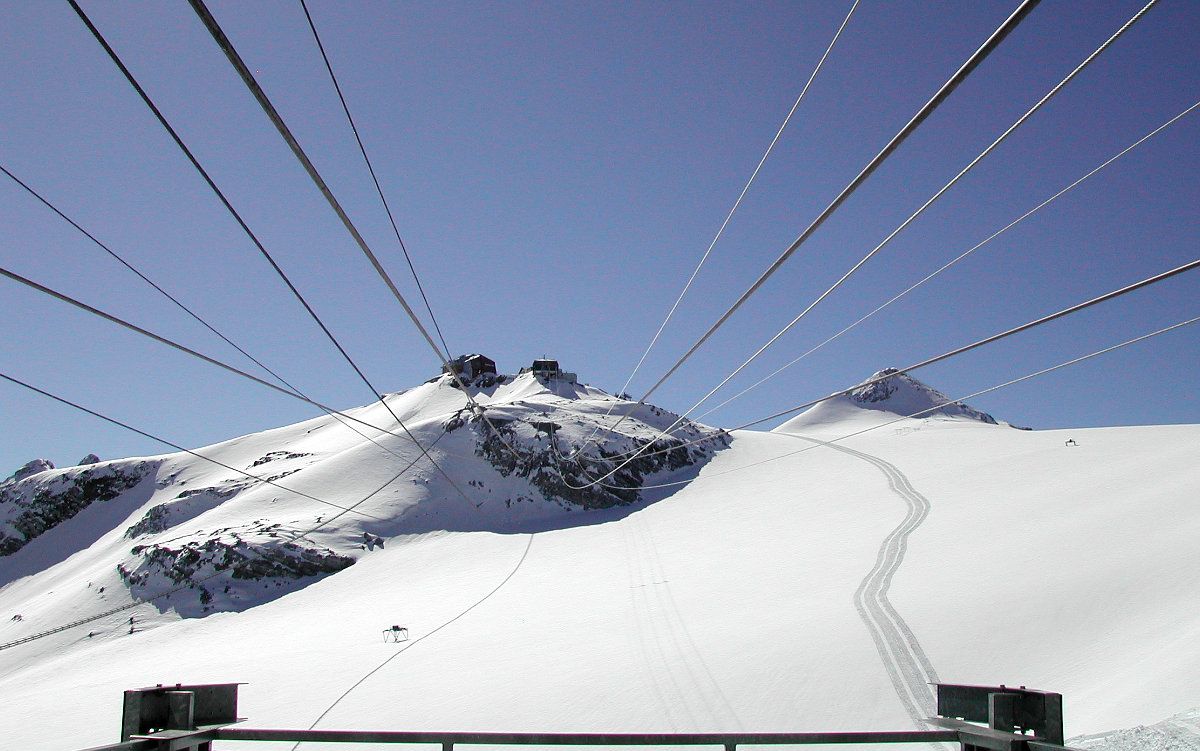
181 718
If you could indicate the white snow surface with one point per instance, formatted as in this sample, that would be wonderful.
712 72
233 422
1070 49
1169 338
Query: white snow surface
795 585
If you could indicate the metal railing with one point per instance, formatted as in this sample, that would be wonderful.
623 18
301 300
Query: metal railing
181 718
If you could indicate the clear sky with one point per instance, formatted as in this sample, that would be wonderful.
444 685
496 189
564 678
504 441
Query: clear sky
557 169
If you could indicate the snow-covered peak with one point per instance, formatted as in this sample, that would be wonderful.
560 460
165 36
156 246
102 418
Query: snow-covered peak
284 507
890 392
31 468
904 395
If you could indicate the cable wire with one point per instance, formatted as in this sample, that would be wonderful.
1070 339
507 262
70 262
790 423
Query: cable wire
1003 136
180 305
199 355
745 189
374 178
728 217
949 86
210 23
938 358
249 233
963 255
423 637
932 199
934 408
177 447
226 46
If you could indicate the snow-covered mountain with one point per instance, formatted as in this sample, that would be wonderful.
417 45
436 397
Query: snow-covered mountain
238 523
747 581
892 396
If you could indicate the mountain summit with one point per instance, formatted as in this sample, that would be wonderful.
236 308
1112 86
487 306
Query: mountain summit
890 392
245 521
776 582
902 394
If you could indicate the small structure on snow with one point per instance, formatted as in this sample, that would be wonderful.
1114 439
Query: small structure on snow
396 634
548 370
470 367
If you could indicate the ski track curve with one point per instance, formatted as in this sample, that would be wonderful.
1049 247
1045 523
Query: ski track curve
907 664
423 637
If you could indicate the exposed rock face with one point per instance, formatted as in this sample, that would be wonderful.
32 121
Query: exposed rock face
89 459
903 394
32 467
226 570
31 506
532 449
201 539
187 505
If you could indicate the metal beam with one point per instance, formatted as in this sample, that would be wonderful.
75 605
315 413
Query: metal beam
585 739
138 745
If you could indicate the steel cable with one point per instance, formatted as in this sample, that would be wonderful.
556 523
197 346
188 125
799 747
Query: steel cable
961 256
249 233
260 96
1026 377
932 199
945 355
199 355
374 178
1003 136
946 89
728 217
180 305
177 447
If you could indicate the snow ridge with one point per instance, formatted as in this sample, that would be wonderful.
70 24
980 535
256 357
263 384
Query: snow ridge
206 539
905 395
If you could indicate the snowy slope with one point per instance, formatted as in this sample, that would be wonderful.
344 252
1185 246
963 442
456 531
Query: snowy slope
795 585
232 541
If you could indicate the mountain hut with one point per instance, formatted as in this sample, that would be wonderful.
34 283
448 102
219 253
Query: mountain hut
470 367
548 370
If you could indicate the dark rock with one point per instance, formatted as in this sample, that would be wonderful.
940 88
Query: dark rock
35 505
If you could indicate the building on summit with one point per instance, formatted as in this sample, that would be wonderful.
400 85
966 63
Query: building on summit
548 370
470 367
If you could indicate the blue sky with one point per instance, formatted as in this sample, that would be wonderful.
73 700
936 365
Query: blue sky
557 169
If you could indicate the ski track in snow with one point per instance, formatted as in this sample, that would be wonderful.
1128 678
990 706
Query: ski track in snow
423 637
907 665
669 652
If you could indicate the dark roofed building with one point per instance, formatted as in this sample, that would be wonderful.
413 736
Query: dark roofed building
545 368
549 370
470 367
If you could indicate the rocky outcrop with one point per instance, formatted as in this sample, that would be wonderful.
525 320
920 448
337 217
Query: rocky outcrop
530 449
33 467
228 570
31 506
903 394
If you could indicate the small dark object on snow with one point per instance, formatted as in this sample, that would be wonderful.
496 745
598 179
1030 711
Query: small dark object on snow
1071 442
395 633
17 617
